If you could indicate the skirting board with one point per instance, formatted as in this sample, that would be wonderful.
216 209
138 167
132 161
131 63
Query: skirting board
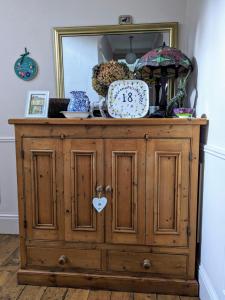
9 224
109 282
214 151
7 139
206 289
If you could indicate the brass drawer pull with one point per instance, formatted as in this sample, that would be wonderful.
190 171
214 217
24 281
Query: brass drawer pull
146 264
62 260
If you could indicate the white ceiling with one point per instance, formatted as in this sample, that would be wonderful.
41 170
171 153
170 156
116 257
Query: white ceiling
141 42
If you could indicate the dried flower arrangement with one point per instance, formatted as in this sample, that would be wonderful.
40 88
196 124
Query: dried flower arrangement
106 73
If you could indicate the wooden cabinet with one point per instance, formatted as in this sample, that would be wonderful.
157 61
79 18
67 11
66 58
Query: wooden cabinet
145 237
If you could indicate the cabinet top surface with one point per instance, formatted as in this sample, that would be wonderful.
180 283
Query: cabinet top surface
109 121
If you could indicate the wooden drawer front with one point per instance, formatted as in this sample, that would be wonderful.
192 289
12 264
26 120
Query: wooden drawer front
167 264
70 258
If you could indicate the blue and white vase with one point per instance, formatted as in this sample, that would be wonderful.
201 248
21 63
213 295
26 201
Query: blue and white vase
79 102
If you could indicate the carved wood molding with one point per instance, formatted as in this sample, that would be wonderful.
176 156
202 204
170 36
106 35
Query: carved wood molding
81 189
124 180
43 169
167 174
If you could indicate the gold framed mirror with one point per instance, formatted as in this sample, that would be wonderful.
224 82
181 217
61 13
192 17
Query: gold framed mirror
79 49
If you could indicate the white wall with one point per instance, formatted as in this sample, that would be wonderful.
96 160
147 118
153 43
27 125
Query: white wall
204 39
29 24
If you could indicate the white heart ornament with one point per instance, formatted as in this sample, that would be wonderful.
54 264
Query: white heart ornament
99 203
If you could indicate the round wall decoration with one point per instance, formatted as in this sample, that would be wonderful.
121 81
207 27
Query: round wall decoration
25 67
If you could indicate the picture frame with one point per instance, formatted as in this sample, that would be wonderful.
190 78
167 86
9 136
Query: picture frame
125 19
37 104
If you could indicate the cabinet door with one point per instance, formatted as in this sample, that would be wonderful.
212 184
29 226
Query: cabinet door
125 175
43 187
83 172
167 192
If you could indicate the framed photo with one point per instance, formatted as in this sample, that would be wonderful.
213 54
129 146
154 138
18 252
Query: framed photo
37 104
125 19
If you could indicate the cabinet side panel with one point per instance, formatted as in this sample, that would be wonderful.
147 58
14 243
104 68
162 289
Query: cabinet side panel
20 189
193 200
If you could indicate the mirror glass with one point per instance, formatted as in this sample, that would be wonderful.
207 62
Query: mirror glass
79 51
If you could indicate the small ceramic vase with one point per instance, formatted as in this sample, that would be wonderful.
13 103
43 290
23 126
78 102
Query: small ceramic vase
79 102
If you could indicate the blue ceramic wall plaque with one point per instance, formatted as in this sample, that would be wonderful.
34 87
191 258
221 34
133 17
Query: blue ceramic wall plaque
25 67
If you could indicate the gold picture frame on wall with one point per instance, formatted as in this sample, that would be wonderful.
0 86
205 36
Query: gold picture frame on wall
61 32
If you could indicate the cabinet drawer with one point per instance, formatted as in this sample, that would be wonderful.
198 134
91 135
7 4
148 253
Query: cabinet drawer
65 258
167 264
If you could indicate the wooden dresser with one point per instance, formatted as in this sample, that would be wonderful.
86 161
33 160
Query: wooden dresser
145 238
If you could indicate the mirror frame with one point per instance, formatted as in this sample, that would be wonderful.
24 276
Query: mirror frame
60 32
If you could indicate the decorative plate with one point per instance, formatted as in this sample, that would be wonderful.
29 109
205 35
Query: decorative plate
128 99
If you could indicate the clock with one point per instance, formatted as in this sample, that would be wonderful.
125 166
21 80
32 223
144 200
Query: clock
128 99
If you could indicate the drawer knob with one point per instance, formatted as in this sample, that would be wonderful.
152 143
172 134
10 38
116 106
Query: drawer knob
99 189
62 260
146 264
108 189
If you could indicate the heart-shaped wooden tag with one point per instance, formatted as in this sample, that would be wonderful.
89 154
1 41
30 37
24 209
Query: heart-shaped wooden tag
99 203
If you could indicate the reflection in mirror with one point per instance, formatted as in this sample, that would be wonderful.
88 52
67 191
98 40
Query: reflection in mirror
77 53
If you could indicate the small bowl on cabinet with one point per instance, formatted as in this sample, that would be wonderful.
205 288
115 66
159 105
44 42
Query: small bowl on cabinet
75 114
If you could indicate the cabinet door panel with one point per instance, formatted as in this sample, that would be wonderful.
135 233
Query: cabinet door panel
43 188
167 192
83 171
125 173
